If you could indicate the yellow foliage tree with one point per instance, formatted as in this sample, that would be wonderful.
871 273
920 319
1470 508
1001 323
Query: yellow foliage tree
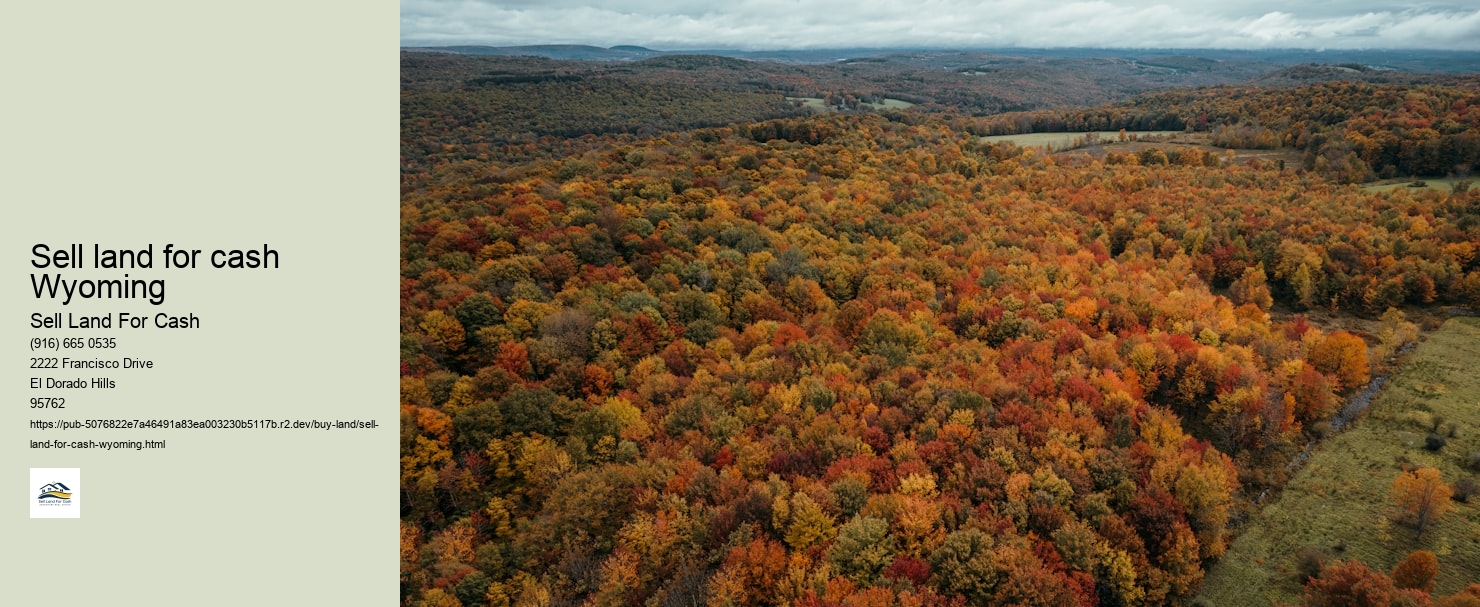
809 524
444 329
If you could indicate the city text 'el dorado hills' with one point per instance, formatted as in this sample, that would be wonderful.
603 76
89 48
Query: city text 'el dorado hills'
121 320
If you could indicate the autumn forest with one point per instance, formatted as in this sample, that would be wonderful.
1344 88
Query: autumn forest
740 353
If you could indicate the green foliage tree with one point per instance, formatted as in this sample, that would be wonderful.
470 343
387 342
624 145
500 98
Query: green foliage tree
963 565
863 549
477 311
888 335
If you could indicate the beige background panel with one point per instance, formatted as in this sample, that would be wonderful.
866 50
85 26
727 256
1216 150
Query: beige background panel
210 126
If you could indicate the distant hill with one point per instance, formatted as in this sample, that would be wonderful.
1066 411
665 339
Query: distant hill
520 94
627 52
696 62
1312 73
1169 60
579 52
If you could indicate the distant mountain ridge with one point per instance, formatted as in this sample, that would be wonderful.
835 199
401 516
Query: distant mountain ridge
1174 59
1311 73
551 51
627 52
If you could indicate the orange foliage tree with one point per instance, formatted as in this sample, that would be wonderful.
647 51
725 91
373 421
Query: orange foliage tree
1421 496
1417 571
1349 584
1344 357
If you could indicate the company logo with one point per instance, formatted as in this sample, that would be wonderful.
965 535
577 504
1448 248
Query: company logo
60 492
55 491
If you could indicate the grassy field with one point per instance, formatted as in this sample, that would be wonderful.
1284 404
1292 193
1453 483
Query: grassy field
1063 140
1109 141
1340 502
818 107
897 104
1443 184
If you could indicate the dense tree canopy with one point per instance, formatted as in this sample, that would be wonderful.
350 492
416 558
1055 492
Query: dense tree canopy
850 359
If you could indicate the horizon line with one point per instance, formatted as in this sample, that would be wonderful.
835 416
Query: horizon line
945 48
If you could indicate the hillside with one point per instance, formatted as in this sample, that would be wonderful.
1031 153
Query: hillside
521 94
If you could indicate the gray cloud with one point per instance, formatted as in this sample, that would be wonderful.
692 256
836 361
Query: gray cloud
797 24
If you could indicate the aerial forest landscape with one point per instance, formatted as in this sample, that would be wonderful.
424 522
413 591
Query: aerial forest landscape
939 322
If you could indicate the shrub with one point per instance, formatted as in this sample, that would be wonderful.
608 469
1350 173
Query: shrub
1466 488
1434 442
1309 561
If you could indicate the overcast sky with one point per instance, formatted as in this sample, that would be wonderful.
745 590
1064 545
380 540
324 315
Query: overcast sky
803 24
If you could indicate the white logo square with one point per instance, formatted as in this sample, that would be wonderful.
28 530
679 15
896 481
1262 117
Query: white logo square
55 493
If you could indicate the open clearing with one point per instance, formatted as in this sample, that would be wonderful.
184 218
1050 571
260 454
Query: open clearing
1443 184
1109 141
891 103
1059 141
1340 501
817 105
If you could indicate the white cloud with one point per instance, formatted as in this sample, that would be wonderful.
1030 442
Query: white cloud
797 24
